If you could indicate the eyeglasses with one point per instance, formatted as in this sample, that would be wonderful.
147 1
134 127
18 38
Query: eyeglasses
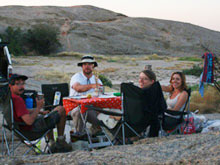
144 79
19 84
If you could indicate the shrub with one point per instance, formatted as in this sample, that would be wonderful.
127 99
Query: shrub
105 81
210 103
43 39
196 71
189 59
15 38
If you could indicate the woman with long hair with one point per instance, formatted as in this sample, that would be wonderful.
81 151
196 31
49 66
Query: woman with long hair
177 89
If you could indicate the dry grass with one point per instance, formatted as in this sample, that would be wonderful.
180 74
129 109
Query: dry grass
48 65
154 57
210 103
179 66
75 54
54 76
107 70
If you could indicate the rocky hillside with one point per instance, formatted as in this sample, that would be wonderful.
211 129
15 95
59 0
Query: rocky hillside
89 29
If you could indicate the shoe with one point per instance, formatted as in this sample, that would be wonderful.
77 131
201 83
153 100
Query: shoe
78 136
52 147
94 130
62 145
59 146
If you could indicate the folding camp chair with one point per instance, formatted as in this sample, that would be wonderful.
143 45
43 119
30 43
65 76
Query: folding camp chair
135 111
49 91
174 122
8 123
5 60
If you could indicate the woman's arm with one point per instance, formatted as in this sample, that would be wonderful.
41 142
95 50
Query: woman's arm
181 101
166 88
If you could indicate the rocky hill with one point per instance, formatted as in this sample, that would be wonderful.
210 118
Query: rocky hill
89 29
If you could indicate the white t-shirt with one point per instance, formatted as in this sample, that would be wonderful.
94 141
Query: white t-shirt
83 80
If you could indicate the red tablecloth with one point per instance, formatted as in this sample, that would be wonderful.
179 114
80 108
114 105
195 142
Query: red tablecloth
70 103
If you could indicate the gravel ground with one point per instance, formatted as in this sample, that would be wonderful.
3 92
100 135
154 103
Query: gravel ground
179 149
201 148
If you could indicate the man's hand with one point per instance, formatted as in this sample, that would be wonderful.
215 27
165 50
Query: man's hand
31 117
44 112
40 103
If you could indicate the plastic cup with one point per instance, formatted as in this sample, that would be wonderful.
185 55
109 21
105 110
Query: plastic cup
40 95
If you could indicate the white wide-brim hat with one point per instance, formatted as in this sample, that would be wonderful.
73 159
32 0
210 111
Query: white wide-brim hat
87 59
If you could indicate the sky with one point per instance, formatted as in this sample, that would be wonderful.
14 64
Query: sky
205 13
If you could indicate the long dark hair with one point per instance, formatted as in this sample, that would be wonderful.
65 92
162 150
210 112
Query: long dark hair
183 80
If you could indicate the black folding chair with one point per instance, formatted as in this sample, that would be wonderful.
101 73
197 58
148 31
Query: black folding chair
49 91
136 111
174 122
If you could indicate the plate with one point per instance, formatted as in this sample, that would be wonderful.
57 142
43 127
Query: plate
106 96
78 97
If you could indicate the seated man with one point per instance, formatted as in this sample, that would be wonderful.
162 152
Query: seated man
35 123
83 83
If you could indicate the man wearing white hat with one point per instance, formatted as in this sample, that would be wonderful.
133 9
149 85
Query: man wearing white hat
83 83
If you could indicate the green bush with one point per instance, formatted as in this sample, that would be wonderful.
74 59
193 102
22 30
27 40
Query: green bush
196 71
15 38
189 59
105 81
43 39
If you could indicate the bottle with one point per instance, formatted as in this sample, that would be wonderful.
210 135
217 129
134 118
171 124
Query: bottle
97 91
29 102
57 97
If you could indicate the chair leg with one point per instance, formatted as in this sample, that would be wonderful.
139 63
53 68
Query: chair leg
132 129
5 147
123 133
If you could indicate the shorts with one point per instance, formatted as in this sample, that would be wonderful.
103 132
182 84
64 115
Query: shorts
44 123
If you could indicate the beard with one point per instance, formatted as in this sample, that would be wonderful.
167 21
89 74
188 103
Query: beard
88 72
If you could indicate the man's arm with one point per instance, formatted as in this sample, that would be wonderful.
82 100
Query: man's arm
83 88
30 118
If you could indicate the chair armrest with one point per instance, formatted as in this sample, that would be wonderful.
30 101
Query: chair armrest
107 111
175 113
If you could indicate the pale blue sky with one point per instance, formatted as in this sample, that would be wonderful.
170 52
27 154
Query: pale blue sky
205 13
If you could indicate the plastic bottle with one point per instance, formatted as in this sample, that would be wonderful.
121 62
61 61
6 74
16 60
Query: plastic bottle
57 97
29 102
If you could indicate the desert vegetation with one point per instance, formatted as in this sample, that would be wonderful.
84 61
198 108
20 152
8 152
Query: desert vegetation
210 103
41 39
